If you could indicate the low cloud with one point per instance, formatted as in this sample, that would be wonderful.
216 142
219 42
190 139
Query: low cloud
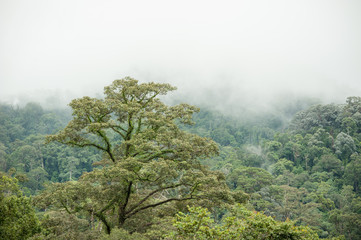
230 55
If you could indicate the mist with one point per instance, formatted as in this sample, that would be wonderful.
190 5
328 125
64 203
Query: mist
230 55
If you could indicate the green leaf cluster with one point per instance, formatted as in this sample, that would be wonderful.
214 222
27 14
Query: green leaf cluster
240 224
17 216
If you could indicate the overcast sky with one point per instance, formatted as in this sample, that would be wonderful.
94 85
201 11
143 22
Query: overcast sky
238 52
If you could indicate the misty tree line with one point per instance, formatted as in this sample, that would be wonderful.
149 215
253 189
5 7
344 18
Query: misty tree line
308 172
23 147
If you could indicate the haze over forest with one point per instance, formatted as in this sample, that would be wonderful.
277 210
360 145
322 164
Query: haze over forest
229 54
274 152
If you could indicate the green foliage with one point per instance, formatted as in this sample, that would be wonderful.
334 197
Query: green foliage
314 164
347 218
17 217
23 148
249 179
240 224
328 163
281 166
60 225
344 146
353 173
119 233
196 224
318 116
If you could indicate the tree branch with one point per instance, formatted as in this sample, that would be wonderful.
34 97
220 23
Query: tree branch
108 149
159 203
150 99
103 219
139 125
117 131
87 145
124 97
159 154
128 194
107 206
121 211
151 194
66 208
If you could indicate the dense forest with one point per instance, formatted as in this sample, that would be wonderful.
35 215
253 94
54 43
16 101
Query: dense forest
131 167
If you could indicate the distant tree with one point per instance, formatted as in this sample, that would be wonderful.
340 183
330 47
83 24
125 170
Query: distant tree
3 158
329 163
281 166
353 105
318 116
346 219
353 173
30 116
25 158
349 125
249 179
344 146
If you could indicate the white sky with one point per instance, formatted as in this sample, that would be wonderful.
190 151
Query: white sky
238 52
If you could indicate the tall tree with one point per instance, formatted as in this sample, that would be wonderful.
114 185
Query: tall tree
147 160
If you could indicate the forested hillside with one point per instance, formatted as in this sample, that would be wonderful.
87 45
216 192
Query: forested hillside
23 148
309 172
128 167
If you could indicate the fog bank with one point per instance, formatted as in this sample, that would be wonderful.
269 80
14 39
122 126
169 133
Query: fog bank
232 54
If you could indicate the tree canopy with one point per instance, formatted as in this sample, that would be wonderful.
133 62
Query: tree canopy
147 160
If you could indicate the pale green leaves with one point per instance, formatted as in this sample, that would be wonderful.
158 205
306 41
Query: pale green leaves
241 224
